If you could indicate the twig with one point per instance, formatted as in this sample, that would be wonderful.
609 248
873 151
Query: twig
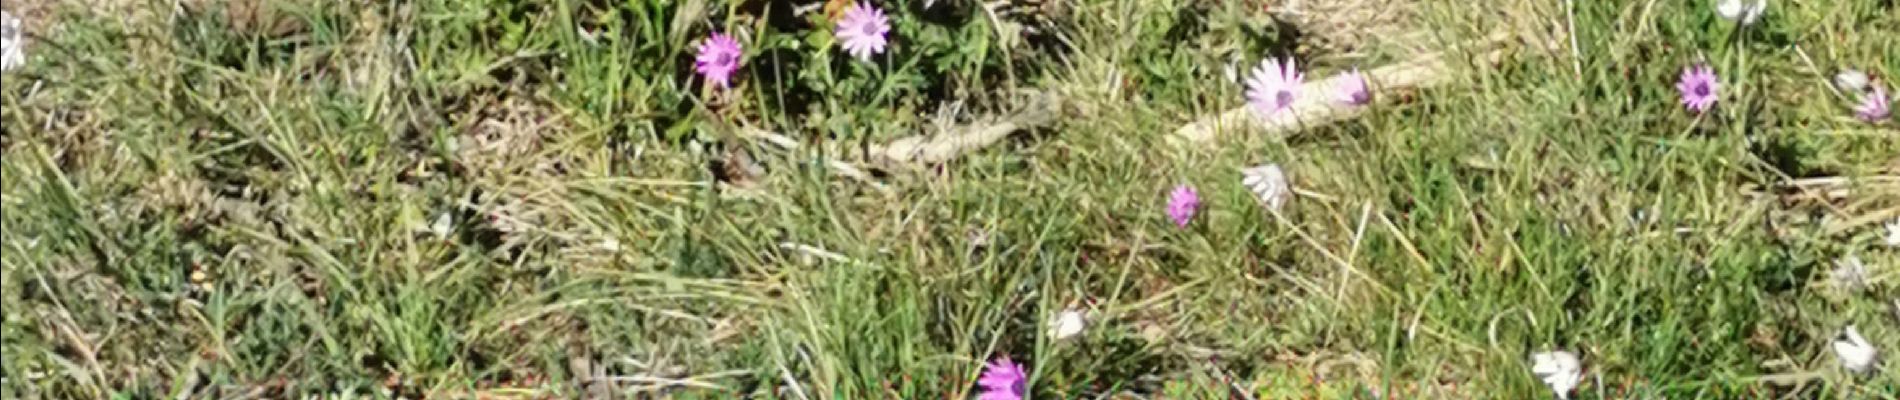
1041 110
931 150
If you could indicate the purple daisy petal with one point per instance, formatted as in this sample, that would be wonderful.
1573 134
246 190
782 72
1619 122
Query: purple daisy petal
1700 88
1874 105
718 59
1352 89
1182 203
998 396
863 31
1273 86
1002 380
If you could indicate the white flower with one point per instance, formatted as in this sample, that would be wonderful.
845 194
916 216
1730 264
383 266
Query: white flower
1560 370
1734 10
1067 324
12 45
1851 80
441 225
1268 182
1893 233
1849 272
1856 354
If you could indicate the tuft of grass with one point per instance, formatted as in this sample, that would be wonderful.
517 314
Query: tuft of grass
499 198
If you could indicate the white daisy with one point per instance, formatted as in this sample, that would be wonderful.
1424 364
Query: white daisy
1560 370
441 226
1849 272
1269 183
1851 80
1735 10
1067 324
1893 233
12 44
1856 354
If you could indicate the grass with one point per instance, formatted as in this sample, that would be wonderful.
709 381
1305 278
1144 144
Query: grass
198 207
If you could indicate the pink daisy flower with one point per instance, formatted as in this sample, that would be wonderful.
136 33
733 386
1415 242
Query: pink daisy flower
1002 380
1874 105
1272 86
863 29
1352 89
1699 87
718 59
1182 203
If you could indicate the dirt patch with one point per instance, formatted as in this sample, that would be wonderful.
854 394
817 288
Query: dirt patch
500 151
505 139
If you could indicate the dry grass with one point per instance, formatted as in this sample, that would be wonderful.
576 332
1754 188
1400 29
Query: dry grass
1345 28
206 203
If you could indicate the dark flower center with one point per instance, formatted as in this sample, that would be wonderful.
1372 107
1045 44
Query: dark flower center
723 59
1283 98
1016 387
1700 89
870 29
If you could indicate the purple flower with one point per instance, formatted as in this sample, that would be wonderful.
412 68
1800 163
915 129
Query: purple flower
1352 89
1873 105
718 59
1001 380
1272 86
1699 87
862 30
1182 203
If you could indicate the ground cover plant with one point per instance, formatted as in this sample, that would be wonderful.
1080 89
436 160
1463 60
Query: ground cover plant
949 199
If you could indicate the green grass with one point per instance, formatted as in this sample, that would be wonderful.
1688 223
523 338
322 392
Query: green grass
193 209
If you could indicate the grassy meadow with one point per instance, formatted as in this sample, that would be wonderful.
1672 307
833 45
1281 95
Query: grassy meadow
539 199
